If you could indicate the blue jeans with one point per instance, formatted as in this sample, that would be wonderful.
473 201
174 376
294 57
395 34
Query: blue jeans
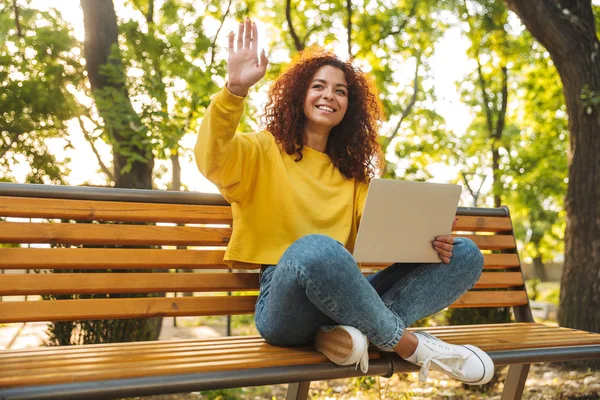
317 282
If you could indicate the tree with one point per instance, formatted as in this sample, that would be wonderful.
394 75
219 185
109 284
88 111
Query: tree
39 73
132 153
178 62
538 167
567 30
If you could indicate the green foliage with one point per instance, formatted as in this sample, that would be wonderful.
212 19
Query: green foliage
472 316
590 99
223 394
39 74
364 383
533 291
553 296
538 169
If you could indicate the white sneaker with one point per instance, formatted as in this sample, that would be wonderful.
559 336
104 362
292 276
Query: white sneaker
343 345
468 364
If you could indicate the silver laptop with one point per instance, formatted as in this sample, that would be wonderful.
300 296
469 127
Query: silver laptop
401 219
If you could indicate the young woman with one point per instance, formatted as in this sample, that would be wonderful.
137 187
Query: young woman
297 192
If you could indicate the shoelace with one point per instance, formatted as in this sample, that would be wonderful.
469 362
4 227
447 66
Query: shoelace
438 360
363 363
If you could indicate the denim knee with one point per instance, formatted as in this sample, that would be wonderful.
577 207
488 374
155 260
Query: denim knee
312 252
468 254
274 335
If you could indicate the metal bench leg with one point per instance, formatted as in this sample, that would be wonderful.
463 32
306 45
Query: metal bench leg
297 391
515 381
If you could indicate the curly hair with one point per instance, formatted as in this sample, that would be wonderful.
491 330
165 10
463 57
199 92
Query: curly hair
352 145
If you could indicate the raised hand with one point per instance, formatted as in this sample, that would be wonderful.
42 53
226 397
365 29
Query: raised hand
243 66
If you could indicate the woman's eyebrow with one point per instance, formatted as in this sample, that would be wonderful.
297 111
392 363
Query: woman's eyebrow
324 81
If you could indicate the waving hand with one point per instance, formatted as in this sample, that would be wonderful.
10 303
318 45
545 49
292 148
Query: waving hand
243 66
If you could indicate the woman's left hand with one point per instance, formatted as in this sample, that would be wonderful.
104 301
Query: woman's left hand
444 245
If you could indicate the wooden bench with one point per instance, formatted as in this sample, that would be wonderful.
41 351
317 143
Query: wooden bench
187 231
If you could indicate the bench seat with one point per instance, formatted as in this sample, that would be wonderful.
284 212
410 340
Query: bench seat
93 251
53 366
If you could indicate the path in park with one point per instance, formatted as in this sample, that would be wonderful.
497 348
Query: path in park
33 334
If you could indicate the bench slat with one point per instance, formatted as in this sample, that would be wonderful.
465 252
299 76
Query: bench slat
490 280
92 309
490 261
491 299
112 234
90 283
492 242
499 261
64 258
88 210
95 283
59 258
16 232
483 224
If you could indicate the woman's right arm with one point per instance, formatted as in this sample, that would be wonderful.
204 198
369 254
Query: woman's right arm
224 158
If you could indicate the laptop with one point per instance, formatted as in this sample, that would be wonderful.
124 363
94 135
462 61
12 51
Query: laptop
401 219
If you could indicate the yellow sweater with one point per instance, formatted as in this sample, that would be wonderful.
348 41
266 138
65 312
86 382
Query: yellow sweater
274 199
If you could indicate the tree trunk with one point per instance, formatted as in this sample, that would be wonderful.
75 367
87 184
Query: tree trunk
132 154
497 174
133 161
539 271
176 179
567 30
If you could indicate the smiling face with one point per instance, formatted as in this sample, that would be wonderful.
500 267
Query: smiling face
326 100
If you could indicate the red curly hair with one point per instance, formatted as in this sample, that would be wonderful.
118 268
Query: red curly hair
352 145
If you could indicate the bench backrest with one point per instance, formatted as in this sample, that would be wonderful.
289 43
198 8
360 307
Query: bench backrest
170 243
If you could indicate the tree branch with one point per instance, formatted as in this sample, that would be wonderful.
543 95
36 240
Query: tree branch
401 27
17 23
4 150
150 15
288 16
566 22
474 195
408 107
485 97
466 181
89 139
213 44
349 26
502 114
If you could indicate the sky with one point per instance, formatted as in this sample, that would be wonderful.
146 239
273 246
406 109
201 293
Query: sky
448 66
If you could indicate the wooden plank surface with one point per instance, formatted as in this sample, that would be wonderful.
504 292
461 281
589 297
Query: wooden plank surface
90 283
490 280
92 309
129 360
20 258
70 258
88 210
492 242
95 283
483 224
493 261
80 309
490 261
112 234
491 299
